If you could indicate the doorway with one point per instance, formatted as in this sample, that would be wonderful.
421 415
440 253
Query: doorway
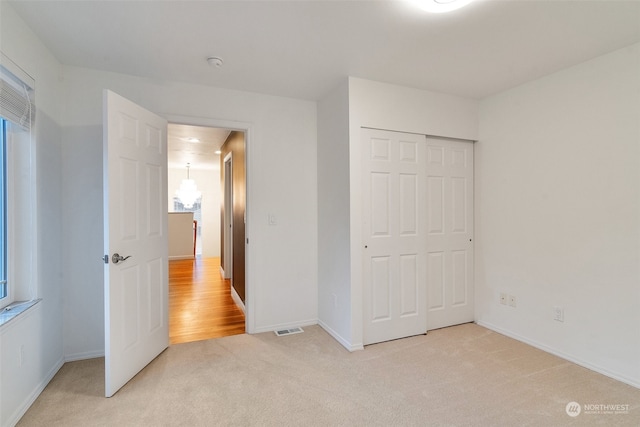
201 305
234 214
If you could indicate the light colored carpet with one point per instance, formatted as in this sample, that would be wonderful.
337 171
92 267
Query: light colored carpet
460 376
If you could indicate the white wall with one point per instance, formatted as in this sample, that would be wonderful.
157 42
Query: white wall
342 113
180 229
282 258
558 213
405 109
39 331
334 290
208 182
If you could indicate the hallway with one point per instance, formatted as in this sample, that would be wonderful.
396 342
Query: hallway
200 303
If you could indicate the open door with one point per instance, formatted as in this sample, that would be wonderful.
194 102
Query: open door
135 239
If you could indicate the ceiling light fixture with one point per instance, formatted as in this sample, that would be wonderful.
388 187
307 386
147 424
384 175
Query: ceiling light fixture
190 139
188 192
215 61
440 6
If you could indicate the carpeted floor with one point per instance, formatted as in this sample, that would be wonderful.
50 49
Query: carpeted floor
460 376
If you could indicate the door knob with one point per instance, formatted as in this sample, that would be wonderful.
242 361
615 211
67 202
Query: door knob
116 258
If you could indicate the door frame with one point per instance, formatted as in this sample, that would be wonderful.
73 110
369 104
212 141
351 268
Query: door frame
249 267
227 236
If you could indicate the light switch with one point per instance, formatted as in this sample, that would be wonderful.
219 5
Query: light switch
272 219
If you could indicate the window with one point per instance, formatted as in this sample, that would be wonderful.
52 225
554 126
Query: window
18 231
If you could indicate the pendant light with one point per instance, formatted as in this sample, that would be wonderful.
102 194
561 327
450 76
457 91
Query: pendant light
188 192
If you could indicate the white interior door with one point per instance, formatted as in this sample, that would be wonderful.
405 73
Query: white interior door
394 221
135 228
449 232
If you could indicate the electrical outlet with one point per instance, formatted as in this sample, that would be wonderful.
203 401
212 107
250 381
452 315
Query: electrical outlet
512 301
503 299
558 314
335 301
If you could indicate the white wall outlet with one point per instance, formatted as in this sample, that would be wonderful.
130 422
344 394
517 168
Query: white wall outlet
512 301
503 299
335 300
558 314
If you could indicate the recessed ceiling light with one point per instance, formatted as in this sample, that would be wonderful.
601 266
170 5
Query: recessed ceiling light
440 6
190 139
218 152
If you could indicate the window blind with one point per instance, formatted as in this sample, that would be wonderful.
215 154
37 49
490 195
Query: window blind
16 95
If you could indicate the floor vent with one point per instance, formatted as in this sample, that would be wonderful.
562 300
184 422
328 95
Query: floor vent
284 332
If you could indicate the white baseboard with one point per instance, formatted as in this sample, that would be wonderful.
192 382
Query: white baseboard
237 300
346 344
599 369
84 355
22 409
222 273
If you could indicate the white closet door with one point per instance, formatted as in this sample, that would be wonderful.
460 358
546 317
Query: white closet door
449 194
394 246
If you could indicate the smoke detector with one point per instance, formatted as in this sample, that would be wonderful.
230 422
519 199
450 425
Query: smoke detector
215 61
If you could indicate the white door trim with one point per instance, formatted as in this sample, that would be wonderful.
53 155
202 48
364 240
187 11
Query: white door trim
227 165
427 135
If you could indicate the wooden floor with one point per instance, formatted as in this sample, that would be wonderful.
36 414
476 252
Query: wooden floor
200 303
